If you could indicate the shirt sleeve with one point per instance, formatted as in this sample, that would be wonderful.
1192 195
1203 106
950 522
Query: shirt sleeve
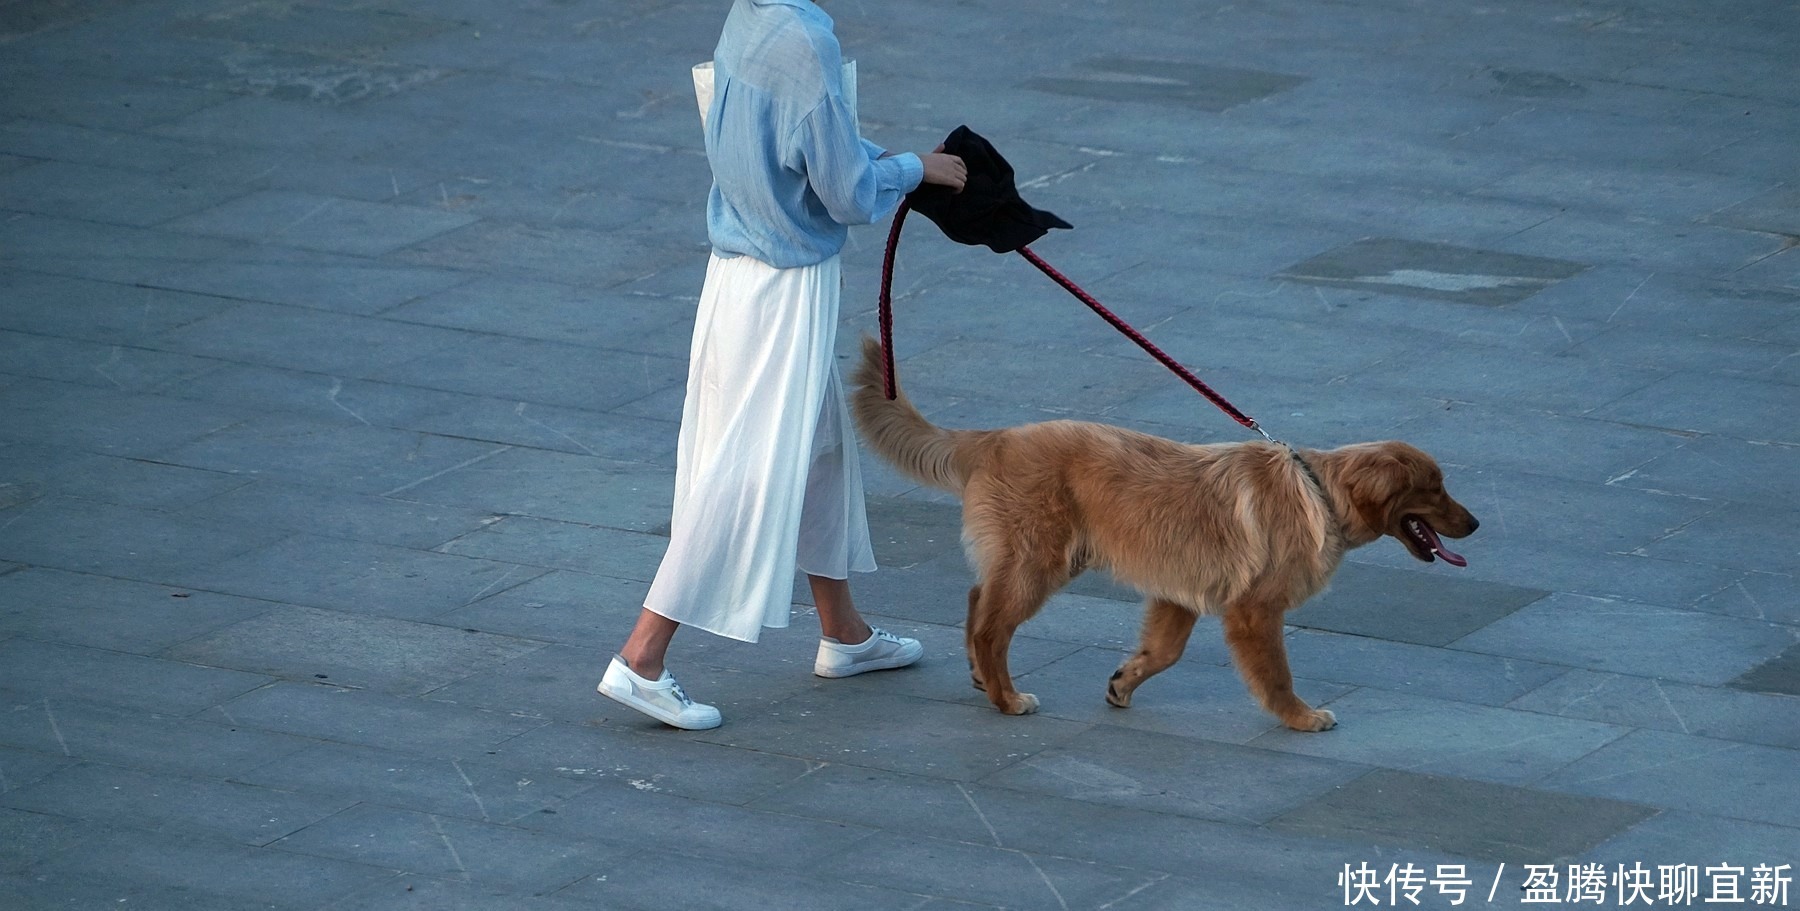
856 185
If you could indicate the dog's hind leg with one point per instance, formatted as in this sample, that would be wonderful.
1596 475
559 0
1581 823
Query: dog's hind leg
1167 626
1253 630
1001 605
969 637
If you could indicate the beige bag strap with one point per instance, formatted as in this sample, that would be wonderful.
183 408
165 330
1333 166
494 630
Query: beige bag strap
703 87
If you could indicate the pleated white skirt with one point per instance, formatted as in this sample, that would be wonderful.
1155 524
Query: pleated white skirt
766 473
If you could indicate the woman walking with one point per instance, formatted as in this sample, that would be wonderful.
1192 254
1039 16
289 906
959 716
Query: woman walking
766 475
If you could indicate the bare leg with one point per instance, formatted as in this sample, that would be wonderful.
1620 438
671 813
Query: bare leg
838 618
649 643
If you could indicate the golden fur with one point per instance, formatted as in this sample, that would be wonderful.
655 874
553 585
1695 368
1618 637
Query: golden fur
1241 530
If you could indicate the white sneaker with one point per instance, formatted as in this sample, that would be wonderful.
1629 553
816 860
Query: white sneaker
661 699
882 650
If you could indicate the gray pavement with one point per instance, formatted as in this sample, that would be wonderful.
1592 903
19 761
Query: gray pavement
341 354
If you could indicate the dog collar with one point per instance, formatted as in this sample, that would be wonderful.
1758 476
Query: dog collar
1318 484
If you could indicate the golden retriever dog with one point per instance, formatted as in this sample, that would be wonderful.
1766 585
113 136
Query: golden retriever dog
1246 531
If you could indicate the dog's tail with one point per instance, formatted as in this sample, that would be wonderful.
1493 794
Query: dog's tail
898 433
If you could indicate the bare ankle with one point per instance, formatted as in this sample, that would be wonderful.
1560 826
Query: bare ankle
644 649
643 665
848 635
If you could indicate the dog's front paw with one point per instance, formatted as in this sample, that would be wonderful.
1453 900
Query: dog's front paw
1021 704
1313 720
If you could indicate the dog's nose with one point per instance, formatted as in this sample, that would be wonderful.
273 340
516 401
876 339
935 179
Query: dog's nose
1474 523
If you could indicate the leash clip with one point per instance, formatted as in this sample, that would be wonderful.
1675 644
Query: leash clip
1291 451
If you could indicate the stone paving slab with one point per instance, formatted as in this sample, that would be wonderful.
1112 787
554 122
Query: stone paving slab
1679 771
103 366
549 311
343 715
98 311
138 483
359 578
63 246
1428 811
271 119
115 614
1408 668
136 426
1414 733
1750 534
1676 837
332 513
1168 774
1780 674
105 194
535 371
446 414
960 743
165 803
544 484
640 759
350 340
1635 638
44 669
1723 713
173 872
1425 608
994 876
311 340
66 728
378 653
723 885
466 788
22 768
30 836
563 545
1434 271
344 284
501 856
103 103
558 605
415 892
553 681
68 146
1707 403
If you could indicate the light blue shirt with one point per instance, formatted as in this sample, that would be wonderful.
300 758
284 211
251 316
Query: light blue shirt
790 171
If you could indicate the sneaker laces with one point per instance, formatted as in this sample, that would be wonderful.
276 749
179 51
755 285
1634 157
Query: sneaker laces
676 689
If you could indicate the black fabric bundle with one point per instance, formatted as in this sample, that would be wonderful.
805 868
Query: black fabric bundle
989 210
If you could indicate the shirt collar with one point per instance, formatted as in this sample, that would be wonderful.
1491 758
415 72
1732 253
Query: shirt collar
807 7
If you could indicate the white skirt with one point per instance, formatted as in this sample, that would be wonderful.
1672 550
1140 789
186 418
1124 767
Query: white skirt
766 473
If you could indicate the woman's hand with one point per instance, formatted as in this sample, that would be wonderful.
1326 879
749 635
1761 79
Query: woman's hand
945 170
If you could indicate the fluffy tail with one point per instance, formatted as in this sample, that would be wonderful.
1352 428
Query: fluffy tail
897 431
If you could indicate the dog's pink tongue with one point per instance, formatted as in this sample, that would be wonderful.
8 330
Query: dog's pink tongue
1437 547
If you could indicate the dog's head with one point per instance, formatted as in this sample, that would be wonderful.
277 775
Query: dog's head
1395 489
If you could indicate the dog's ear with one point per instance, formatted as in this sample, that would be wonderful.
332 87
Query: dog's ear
1376 479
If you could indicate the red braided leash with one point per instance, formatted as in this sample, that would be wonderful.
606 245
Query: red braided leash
886 319
1230 410
885 316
